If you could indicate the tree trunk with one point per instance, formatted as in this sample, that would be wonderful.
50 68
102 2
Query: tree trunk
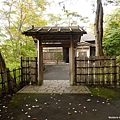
99 28
7 75
2 62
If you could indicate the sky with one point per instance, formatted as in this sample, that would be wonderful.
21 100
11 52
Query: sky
83 7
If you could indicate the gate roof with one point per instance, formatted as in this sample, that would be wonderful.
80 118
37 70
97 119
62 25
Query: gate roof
56 35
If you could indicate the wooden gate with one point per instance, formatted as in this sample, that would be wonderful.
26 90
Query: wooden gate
29 70
97 71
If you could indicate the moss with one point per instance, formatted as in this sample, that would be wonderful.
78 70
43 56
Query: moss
108 93
16 100
19 99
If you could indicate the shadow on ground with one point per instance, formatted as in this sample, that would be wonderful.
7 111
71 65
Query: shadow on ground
59 107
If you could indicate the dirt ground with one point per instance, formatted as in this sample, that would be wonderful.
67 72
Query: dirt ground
59 107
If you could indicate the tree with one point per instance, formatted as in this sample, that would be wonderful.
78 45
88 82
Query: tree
55 19
58 56
17 16
99 21
99 28
112 34
99 25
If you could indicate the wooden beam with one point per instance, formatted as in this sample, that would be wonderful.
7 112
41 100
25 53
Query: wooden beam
72 61
57 45
40 62
58 39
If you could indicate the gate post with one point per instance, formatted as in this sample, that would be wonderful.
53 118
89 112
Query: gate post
40 62
72 61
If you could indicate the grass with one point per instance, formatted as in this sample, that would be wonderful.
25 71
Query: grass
108 93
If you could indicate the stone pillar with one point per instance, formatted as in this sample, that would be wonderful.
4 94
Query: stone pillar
40 62
72 61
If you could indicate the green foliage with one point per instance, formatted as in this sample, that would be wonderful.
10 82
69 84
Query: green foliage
114 2
55 19
14 50
111 41
16 18
58 56
73 17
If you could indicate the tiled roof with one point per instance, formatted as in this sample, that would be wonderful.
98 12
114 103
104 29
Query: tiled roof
55 30
59 34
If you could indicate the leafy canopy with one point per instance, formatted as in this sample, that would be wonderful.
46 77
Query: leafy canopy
112 33
17 16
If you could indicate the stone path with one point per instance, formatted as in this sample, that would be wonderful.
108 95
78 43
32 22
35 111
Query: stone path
56 72
55 86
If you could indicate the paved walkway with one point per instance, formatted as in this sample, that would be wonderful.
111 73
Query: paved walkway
56 72
55 86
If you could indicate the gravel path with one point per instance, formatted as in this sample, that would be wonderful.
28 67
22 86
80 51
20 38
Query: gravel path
56 72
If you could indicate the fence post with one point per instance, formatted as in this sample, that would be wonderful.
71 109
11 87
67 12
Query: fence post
102 69
8 80
119 76
75 72
14 75
36 77
3 83
29 74
114 81
27 70
22 82
19 69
